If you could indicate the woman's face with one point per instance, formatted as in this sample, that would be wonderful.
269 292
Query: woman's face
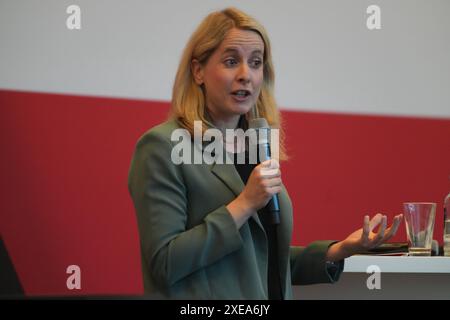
233 75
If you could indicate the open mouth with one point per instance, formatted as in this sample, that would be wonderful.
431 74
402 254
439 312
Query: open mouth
241 93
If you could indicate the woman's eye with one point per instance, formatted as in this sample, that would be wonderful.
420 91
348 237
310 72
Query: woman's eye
230 62
256 63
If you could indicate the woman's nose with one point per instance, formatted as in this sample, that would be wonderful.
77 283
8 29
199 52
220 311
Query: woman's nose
244 74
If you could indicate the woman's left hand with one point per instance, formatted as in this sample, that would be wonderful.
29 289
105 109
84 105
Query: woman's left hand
365 238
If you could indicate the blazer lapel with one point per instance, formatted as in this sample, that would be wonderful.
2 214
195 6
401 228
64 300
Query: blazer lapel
228 174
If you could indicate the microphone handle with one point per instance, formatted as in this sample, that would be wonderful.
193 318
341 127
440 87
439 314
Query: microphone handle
273 206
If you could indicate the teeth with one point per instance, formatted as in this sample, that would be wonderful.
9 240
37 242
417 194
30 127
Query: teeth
241 93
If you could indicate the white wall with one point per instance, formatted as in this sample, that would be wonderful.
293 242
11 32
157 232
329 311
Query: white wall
325 57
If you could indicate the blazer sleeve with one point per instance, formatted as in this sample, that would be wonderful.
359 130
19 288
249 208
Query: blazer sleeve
158 191
308 264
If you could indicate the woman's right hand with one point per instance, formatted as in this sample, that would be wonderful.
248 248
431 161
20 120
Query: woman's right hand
263 183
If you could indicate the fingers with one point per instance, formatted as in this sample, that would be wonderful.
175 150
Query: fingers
269 170
375 221
271 163
268 177
383 235
390 232
270 173
379 238
274 182
263 183
366 230
273 190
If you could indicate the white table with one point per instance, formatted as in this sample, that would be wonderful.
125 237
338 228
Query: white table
401 277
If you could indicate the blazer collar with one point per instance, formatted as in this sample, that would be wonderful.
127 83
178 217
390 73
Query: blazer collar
228 174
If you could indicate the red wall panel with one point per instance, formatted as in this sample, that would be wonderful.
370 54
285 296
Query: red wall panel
64 167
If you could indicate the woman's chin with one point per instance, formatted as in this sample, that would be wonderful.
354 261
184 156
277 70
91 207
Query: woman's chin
242 108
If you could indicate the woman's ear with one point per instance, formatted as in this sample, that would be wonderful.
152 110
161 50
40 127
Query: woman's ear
197 71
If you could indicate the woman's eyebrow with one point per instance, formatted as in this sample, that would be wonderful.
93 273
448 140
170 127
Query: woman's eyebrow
257 51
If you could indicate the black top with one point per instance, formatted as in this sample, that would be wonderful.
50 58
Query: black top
273 274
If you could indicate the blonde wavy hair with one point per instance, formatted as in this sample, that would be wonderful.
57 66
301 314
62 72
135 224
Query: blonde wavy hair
188 99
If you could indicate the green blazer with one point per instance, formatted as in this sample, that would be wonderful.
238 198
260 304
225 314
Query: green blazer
190 245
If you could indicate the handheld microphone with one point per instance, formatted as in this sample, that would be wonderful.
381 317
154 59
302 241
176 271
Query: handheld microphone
262 129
